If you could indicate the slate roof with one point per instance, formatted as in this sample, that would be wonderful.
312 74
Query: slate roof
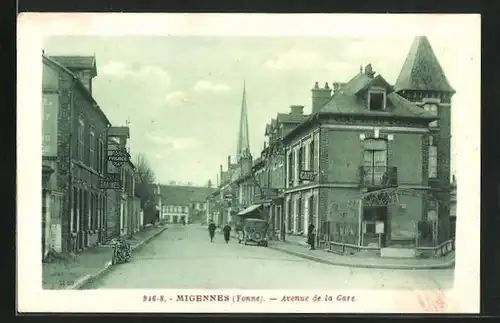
351 100
421 70
184 195
77 63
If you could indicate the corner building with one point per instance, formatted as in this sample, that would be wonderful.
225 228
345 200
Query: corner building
380 155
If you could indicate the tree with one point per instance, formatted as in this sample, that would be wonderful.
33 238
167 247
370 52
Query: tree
145 187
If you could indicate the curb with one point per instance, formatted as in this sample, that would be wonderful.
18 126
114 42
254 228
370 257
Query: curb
87 279
446 265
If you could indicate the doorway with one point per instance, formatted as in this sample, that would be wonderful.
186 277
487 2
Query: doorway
371 216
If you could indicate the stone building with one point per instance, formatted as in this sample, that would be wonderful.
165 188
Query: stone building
74 141
366 137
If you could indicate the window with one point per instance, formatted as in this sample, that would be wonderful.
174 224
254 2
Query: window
376 100
300 224
103 157
432 159
370 227
74 221
80 139
92 149
311 155
290 168
311 208
375 161
301 158
98 156
433 110
289 215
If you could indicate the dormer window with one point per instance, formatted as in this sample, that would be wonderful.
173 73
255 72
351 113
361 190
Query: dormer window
376 99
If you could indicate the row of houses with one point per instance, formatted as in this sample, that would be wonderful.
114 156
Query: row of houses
88 198
369 166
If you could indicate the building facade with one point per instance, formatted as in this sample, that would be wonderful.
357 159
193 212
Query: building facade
272 177
368 139
121 216
74 141
184 204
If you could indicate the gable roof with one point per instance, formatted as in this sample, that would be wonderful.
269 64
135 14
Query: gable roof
78 81
184 195
421 70
78 63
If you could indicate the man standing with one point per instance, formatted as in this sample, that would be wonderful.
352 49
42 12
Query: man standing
211 230
311 236
227 232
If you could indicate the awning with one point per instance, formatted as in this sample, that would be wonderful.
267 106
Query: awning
250 209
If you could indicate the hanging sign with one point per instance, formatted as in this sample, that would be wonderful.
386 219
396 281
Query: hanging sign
118 157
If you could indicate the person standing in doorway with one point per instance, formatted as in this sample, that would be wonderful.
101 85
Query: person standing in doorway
227 232
311 236
211 230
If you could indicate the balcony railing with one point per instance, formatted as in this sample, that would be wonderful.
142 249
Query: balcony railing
378 176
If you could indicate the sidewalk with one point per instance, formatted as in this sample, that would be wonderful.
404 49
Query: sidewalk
362 260
72 272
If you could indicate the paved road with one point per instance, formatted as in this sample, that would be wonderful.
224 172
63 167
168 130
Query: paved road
184 258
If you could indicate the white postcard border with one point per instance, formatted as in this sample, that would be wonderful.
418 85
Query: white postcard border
32 27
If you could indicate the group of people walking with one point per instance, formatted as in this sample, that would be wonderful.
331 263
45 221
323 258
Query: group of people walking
226 229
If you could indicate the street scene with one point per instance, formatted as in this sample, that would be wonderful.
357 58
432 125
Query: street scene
182 258
232 163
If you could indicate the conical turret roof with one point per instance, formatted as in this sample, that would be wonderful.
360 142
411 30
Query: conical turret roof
421 70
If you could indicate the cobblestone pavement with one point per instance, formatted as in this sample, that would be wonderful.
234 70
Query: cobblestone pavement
183 258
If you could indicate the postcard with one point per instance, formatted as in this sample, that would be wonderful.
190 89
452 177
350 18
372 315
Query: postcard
248 163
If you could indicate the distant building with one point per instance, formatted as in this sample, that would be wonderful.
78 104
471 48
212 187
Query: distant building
184 203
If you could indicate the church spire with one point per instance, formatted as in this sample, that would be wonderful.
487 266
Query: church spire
421 70
243 149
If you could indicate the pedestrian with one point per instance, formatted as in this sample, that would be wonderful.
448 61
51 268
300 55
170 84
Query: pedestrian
211 230
227 232
311 236
239 231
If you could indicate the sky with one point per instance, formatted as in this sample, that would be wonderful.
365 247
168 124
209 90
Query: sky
182 94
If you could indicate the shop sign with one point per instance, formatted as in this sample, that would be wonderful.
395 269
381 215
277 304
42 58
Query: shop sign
379 227
307 175
118 157
49 124
111 181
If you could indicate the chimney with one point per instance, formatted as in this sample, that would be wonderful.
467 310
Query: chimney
336 87
320 97
228 162
296 110
369 71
